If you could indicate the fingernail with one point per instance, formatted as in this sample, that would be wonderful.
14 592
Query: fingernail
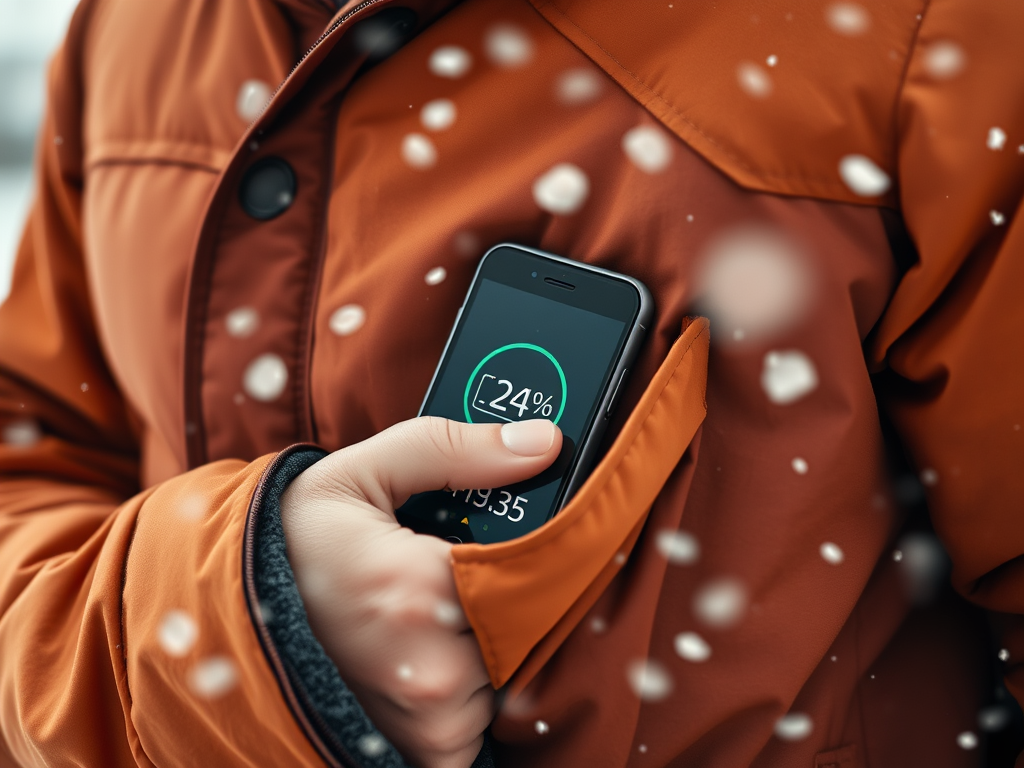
528 438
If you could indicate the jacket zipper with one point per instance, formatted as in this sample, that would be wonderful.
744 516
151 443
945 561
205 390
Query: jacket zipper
324 35
195 311
337 757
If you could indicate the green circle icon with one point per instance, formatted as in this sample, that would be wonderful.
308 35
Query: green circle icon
506 348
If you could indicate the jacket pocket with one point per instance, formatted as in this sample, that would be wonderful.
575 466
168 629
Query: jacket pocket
533 590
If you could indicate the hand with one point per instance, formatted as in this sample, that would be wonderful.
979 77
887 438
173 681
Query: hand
382 599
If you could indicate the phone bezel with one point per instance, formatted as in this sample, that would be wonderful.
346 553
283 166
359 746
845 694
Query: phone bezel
596 290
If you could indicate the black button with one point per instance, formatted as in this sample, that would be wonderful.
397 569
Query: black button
268 188
385 32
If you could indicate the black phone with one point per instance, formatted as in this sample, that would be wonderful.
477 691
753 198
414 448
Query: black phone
538 336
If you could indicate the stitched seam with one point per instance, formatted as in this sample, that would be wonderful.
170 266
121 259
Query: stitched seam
108 162
669 107
289 692
488 646
532 545
911 50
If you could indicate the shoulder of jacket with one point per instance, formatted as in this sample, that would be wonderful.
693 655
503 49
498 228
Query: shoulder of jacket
799 101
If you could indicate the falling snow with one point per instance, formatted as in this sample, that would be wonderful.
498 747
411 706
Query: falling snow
788 376
692 647
944 59
437 115
831 553
1004 654
252 98
923 567
967 740
578 86
799 465
649 679
467 244
848 19
448 614
997 217
347 320
754 279
508 46
993 718
435 276
678 547
795 726
22 433
177 633
598 625
862 176
996 138
450 61
772 60
265 378
720 603
541 727
562 190
372 745
929 477
753 79
191 507
648 148
213 677
418 151
242 322
403 672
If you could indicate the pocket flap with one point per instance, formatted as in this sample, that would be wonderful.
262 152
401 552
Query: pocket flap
516 592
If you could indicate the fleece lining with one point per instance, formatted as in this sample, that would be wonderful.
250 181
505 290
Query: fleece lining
326 701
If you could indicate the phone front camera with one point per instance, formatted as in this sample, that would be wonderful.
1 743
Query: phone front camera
533 274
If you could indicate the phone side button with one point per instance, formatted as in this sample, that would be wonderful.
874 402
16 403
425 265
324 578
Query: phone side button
615 394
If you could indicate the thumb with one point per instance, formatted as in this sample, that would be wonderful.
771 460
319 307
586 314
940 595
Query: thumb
430 453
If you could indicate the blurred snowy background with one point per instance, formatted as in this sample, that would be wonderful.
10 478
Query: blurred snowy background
29 32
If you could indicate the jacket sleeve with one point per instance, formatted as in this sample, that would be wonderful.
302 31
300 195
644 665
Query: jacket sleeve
953 336
129 627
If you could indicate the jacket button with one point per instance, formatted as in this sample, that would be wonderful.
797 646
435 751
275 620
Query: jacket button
268 188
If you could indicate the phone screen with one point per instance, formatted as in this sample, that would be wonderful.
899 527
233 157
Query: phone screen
521 351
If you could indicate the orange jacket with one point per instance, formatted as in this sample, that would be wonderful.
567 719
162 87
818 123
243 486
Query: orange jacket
161 344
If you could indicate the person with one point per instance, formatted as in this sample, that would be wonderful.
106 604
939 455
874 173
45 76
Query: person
253 226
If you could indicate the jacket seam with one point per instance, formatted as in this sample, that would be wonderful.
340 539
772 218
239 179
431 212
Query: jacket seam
262 632
536 543
493 661
305 421
897 122
831 183
108 162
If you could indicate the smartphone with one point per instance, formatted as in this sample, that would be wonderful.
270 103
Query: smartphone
538 336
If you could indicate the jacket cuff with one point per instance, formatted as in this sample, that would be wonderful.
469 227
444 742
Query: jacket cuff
321 702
